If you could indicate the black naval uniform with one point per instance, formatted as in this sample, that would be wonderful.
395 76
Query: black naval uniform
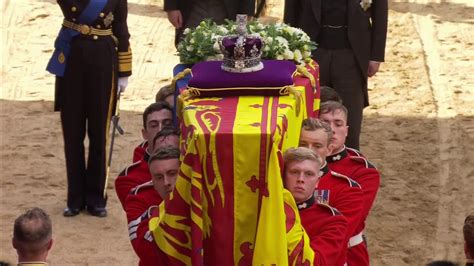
86 96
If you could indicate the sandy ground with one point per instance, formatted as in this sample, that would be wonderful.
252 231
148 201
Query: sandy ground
419 130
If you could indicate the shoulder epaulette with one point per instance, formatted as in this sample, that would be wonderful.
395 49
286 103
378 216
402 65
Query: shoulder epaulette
133 165
137 189
363 160
133 225
352 182
333 210
354 151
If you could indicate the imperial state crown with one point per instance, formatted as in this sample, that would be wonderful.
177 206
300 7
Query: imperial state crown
241 51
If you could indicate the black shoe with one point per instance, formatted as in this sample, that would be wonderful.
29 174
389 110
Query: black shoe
70 212
97 211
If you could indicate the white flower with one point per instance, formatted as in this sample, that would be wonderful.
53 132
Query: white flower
288 55
221 28
365 4
220 57
278 26
289 30
192 40
216 46
266 48
298 55
189 48
282 41
299 31
186 31
269 40
306 54
280 57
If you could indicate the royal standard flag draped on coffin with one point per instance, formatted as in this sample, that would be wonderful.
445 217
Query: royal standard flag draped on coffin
229 206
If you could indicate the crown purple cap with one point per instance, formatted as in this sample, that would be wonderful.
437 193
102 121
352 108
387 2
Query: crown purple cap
242 52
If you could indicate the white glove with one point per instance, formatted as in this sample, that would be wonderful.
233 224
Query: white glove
122 83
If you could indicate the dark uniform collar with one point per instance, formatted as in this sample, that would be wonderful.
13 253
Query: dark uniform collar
324 169
146 156
307 203
338 156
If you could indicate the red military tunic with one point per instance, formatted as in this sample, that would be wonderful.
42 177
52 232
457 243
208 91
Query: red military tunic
352 163
140 199
326 228
139 151
139 206
344 194
132 176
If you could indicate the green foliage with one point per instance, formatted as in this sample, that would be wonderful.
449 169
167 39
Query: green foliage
280 41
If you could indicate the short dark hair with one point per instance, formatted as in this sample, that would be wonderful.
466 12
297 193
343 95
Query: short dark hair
165 132
155 107
32 230
331 107
329 94
165 154
468 232
164 92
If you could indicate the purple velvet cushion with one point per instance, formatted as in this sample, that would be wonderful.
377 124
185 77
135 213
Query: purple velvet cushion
209 75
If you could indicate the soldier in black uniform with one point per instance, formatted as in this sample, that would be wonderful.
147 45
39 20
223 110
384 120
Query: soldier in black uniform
92 61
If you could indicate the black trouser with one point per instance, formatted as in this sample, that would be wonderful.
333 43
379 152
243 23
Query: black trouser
87 97
339 70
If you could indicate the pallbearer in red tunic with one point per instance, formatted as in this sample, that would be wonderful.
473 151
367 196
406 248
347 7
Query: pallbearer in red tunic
344 194
335 189
352 163
132 176
138 173
140 199
325 225
142 203
326 228
142 239
155 117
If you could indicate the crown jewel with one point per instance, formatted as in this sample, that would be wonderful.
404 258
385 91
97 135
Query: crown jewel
242 51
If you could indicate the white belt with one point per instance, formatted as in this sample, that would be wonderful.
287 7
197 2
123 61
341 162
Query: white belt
356 240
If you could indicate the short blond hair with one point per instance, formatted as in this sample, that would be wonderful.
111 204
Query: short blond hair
301 154
313 124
